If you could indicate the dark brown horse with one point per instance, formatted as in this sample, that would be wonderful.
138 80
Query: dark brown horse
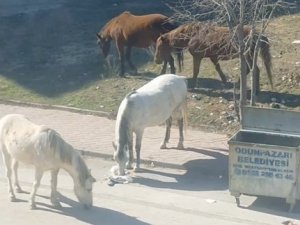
203 40
129 30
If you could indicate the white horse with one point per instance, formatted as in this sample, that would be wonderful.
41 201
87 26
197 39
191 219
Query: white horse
21 140
150 105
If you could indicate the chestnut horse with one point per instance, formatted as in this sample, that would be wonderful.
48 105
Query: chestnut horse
175 41
203 40
129 30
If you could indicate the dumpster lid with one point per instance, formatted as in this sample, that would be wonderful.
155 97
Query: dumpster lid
271 120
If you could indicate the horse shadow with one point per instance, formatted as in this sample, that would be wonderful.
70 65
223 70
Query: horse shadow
201 174
215 88
147 76
212 175
95 215
289 100
209 83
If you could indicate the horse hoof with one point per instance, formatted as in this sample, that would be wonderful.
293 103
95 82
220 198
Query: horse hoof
129 167
57 205
33 206
180 146
19 190
13 198
121 173
137 169
163 146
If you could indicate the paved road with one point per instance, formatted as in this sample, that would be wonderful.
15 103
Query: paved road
158 196
94 135
181 187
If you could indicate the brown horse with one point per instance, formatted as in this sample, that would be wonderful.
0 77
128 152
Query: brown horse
129 30
176 40
203 40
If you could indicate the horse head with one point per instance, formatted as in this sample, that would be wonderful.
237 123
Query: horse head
163 49
104 44
84 185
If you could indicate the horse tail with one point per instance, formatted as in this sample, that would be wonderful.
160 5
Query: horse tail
180 58
184 111
266 57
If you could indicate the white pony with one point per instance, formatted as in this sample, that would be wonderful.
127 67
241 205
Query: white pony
21 140
150 105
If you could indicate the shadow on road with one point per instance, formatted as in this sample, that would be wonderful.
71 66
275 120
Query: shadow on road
210 175
200 175
275 206
96 215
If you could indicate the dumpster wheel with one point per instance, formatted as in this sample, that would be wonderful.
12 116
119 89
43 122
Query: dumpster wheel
237 201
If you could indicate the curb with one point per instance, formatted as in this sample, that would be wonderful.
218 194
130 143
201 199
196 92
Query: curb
146 162
58 107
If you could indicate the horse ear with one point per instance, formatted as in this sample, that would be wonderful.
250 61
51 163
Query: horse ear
114 145
99 36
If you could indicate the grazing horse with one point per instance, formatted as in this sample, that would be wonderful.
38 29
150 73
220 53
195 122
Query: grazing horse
150 105
213 42
23 141
128 30
175 41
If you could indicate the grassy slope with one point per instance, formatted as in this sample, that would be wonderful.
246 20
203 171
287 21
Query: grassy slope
208 106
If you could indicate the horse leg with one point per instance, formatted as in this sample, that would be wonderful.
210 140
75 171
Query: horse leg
7 162
180 127
218 69
121 58
138 144
128 58
167 136
164 68
130 148
36 184
15 166
196 68
54 193
256 78
172 65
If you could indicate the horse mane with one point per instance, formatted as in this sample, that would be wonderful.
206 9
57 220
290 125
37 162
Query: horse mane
65 152
124 126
